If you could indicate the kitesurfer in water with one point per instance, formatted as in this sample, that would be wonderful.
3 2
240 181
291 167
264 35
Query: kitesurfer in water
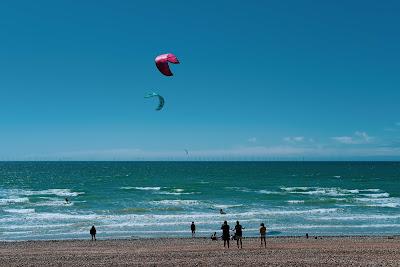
222 212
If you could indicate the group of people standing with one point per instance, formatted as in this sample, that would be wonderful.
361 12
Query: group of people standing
238 234
226 235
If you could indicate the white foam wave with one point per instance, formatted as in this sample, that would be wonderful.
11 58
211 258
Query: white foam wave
380 202
144 188
6 201
385 205
57 192
334 192
247 190
54 203
268 192
15 233
380 195
303 188
371 190
335 226
240 189
160 224
178 190
64 217
176 202
19 211
148 188
221 206
48 216
295 201
175 193
357 217
313 192
249 214
36 226
351 191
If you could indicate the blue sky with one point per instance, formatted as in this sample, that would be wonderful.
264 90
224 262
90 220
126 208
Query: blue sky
257 80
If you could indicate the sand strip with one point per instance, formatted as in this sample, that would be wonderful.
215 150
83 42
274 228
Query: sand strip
282 251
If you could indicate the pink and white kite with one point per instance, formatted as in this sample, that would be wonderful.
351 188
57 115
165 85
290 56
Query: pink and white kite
162 63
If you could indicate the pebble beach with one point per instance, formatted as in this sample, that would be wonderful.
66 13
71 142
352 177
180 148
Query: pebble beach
280 251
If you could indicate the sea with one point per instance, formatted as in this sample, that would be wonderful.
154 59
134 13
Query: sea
161 199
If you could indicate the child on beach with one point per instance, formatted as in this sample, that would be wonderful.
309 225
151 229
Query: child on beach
214 236
263 232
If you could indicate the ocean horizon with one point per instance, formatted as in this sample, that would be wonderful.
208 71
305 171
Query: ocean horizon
161 198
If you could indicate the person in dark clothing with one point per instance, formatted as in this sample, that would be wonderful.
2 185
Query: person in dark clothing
225 233
93 233
193 229
238 234
263 233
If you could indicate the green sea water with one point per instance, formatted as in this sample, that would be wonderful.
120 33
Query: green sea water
161 199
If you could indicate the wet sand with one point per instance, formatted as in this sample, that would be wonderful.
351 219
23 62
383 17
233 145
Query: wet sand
282 251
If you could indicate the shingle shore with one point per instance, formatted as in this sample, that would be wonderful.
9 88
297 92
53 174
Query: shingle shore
287 251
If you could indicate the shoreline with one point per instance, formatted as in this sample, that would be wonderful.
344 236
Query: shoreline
280 251
394 236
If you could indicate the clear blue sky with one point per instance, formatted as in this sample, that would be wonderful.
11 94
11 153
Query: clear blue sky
257 80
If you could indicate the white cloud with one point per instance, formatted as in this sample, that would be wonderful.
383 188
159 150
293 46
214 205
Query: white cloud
364 136
252 140
390 129
356 139
295 147
394 128
344 139
295 139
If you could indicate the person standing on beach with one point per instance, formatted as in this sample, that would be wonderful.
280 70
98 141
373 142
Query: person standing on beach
93 233
238 234
193 229
225 233
263 233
